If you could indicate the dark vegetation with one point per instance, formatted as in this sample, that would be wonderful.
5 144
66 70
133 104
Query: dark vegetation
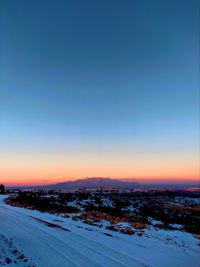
136 208
39 201
2 189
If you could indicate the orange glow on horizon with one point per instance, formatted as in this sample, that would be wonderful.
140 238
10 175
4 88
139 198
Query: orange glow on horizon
46 177
22 169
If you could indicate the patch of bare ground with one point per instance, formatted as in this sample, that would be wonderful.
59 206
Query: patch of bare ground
10 255
94 217
49 224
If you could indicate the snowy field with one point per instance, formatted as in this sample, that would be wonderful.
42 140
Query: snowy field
33 239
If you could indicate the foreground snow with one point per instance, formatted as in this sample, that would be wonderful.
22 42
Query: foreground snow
32 238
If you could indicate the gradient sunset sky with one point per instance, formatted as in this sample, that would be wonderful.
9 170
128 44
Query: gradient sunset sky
98 88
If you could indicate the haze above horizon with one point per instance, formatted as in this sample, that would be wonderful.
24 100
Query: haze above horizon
99 88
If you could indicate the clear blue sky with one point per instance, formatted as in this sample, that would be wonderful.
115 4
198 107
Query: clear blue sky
102 76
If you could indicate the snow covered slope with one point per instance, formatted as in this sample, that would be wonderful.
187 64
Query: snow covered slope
32 238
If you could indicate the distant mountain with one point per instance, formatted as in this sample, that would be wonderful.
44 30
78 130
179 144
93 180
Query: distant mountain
99 182
90 183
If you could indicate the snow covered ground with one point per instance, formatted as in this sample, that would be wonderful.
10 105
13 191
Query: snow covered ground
35 239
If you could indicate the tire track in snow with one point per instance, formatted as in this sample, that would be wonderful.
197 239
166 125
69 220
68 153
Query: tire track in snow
114 258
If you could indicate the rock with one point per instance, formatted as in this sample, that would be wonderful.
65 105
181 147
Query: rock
66 216
127 231
138 225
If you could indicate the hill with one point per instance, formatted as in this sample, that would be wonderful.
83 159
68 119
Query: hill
91 183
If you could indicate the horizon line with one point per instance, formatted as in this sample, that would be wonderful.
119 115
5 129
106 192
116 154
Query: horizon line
138 180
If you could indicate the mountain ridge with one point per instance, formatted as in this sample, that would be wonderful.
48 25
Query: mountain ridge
90 183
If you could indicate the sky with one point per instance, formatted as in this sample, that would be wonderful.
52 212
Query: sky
99 88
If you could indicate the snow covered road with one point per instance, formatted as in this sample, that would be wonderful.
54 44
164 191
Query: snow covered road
51 241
